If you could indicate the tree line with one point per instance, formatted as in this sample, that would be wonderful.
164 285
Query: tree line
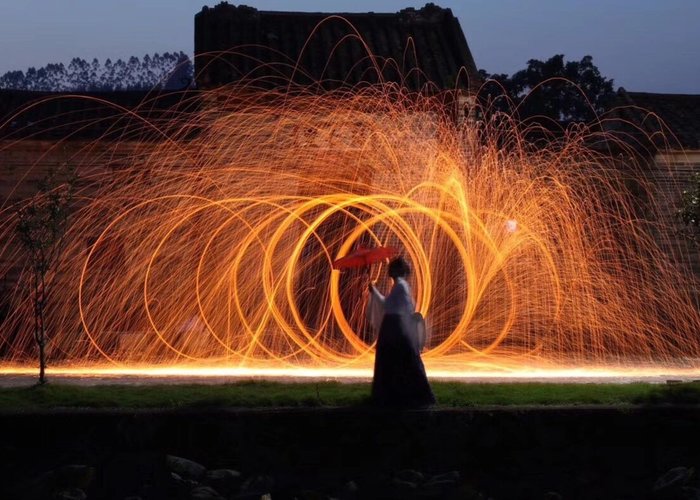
555 90
167 71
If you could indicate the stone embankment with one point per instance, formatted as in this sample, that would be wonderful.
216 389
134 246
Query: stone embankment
352 453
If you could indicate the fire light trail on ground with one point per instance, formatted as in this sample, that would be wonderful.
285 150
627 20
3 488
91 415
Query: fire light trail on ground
26 375
211 252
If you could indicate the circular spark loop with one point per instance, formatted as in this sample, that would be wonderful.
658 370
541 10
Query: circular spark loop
219 251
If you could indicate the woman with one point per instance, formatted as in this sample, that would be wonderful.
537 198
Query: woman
399 374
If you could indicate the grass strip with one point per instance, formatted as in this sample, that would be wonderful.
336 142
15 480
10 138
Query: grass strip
264 394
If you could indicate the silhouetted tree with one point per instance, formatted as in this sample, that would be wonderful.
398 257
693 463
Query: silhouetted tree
554 89
689 211
168 71
41 227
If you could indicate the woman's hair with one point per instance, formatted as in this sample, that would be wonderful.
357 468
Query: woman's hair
399 268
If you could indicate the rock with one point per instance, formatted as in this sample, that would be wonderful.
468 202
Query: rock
350 487
59 481
411 476
437 486
224 480
347 491
205 493
250 496
447 476
181 487
553 495
258 484
404 485
189 483
70 494
440 484
222 475
187 469
672 481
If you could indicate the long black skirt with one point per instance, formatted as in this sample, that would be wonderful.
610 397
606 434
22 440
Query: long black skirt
399 374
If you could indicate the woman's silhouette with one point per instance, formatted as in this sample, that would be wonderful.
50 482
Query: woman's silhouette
399 374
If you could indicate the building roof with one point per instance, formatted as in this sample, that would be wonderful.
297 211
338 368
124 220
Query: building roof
671 121
232 43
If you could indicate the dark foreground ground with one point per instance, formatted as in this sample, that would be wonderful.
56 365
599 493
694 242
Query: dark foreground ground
351 452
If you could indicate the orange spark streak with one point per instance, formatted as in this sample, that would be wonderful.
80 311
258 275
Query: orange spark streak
216 251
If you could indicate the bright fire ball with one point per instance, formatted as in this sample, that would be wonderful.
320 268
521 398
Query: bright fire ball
511 225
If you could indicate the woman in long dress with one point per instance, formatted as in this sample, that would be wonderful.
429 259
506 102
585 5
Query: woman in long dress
399 374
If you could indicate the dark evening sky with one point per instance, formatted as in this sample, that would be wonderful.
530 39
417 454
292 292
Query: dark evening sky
644 45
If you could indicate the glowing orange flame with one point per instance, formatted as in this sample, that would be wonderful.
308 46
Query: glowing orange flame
217 250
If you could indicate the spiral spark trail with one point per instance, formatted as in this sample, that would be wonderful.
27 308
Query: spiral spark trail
213 246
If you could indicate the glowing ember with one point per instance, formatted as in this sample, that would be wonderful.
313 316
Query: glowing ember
217 250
